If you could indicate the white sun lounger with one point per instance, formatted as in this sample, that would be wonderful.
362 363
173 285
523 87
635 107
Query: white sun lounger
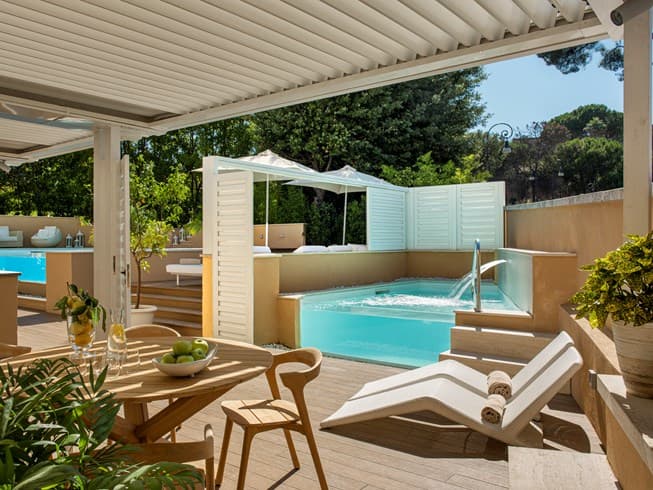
185 267
459 403
471 378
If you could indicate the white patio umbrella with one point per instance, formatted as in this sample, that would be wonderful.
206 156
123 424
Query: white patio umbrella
273 161
351 181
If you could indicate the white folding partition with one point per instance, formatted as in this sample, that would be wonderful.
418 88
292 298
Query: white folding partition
386 219
480 215
451 217
233 265
432 219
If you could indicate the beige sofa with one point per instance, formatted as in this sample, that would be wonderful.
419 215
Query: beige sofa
10 238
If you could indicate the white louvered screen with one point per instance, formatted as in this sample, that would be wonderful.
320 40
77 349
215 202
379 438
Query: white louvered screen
480 215
233 266
434 218
451 217
386 219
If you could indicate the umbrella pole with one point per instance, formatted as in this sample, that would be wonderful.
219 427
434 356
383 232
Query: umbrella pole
344 222
267 206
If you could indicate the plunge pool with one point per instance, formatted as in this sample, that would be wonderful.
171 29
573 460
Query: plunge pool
405 323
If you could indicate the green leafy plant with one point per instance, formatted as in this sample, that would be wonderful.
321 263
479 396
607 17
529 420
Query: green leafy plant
54 430
619 285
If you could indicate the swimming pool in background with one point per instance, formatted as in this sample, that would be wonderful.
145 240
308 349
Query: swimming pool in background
406 322
30 263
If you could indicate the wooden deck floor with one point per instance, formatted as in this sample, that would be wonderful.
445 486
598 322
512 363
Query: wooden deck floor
420 451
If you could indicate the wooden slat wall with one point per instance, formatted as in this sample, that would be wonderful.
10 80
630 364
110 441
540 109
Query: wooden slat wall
233 269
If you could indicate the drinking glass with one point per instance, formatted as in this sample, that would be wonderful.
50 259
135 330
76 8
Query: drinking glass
116 339
81 331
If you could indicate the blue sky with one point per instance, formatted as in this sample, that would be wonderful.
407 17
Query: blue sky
524 90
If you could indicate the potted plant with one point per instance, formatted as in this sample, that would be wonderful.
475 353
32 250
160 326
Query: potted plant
148 238
56 424
619 290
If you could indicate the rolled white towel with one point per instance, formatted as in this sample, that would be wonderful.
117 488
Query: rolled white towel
492 412
499 383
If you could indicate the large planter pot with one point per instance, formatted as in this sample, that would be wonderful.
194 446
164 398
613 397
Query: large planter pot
143 315
635 354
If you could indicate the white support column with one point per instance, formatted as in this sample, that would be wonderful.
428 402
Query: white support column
637 125
111 222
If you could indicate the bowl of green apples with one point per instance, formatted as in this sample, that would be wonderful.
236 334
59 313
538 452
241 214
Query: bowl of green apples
187 357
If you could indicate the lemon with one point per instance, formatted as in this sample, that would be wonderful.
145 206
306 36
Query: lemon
88 327
83 339
77 328
118 331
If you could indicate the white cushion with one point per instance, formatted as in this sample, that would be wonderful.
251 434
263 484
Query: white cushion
261 249
357 247
310 249
185 269
340 248
4 232
190 260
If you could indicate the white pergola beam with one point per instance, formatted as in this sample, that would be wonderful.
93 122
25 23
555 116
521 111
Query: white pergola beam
637 124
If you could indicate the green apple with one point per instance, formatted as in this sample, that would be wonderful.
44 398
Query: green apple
184 358
201 344
168 358
198 354
182 347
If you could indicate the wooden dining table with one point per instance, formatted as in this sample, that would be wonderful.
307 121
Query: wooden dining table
139 382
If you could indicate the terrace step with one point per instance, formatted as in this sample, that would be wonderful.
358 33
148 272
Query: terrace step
31 302
485 363
187 302
193 292
185 314
513 320
178 307
498 342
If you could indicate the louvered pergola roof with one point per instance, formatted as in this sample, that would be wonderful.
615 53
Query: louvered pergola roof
149 66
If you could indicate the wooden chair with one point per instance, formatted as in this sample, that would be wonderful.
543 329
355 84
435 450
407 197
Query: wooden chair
181 452
152 330
256 416
10 350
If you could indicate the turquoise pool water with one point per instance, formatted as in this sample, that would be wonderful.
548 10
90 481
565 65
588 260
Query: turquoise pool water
30 263
405 323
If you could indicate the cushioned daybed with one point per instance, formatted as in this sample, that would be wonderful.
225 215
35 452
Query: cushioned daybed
10 238
48 236
185 267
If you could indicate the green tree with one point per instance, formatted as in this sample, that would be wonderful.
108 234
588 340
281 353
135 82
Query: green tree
591 164
155 206
390 125
58 186
182 150
426 173
572 60
586 119
530 170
